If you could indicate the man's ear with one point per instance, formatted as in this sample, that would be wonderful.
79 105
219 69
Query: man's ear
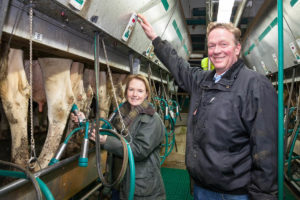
238 49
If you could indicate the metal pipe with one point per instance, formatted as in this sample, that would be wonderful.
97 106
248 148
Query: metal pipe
209 15
83 159
16 184
3 10
240 10
91 191
44 188
280 100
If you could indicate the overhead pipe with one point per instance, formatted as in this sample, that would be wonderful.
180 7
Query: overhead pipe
240 10
280 100
209 14
209 18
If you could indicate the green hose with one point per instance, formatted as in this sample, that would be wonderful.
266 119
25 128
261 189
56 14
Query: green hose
172 120
45 190
280 101
290 157
132 172
72 132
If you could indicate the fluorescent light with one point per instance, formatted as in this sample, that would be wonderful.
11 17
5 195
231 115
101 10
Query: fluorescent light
224 10
196 55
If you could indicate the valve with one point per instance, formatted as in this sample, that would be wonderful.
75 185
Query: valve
58 154
75 110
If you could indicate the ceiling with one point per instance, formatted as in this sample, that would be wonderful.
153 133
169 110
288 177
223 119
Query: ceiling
196 14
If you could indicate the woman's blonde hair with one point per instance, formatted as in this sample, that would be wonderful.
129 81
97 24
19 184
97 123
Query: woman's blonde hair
142 78
228 26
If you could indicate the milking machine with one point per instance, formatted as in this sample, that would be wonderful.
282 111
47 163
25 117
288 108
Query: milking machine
170 120
169 111
292 172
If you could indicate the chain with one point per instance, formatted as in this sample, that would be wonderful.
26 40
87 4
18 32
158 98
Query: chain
32 159
113 88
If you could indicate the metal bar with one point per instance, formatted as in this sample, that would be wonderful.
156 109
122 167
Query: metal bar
7 188
3 10
280 101
91 191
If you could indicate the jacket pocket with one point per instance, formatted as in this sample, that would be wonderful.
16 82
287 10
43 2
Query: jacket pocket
145 183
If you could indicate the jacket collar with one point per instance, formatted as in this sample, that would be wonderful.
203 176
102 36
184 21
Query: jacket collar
227 79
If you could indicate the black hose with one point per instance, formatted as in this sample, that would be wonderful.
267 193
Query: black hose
125 157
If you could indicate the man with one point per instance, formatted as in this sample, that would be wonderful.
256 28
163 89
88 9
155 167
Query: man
231 145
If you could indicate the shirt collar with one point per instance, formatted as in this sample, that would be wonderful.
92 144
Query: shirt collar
217 77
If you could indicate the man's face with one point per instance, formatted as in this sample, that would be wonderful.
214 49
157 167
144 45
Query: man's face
222 49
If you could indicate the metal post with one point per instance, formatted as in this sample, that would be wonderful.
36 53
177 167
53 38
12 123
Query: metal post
280 100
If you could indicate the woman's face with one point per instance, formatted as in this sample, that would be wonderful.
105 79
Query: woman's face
136 92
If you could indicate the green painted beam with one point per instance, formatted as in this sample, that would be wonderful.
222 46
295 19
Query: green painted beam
165 4
293 2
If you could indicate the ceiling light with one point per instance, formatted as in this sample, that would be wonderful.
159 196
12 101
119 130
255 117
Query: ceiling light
224 10
196 55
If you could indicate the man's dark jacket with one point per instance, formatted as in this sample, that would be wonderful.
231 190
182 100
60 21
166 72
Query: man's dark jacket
231 143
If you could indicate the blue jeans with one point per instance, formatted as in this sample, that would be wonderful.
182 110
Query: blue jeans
203 194
115 194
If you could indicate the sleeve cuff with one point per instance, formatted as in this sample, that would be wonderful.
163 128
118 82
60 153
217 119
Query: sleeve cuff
156 41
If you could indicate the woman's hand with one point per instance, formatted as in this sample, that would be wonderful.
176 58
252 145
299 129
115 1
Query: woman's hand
74 118
102 137
146 27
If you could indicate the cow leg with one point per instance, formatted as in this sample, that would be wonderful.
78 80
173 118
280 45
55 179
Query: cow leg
4 127
77 84
76 75
89 83
14 92
118 81
60 98
104 103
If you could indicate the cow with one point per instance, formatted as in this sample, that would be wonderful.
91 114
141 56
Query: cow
60 98
15 93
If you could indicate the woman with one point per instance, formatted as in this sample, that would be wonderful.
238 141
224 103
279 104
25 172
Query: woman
146 133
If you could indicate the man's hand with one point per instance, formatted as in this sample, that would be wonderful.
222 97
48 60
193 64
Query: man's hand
146 27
